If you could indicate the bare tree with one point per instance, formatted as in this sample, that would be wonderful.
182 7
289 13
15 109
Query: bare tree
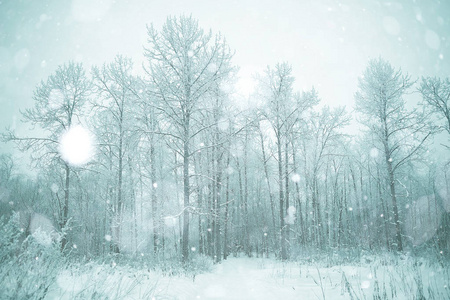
58 105
436 96
184 63
276 85
400 133
115 84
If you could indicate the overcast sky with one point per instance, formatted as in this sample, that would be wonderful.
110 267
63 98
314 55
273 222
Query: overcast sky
328 43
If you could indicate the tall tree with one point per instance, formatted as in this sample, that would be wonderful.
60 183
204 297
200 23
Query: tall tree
436 96
278 92
399 133
184 63
117 87
58 105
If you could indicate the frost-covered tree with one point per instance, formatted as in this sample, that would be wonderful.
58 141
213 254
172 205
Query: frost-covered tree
184 63
436 96
399 133
58 105
276 88
323 142
117 90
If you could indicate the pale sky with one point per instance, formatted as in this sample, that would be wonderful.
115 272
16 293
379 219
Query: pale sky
328 43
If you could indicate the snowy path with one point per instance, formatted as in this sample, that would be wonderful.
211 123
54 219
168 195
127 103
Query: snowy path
248 278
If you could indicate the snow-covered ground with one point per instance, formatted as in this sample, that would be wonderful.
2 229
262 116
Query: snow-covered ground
257 278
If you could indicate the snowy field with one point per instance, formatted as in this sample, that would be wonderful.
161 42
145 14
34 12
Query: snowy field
143 141
257 278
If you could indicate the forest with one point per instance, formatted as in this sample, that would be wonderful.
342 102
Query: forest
161 163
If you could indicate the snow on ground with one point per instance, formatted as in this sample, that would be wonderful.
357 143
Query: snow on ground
250 278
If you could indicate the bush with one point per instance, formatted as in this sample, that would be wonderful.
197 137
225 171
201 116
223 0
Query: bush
28 264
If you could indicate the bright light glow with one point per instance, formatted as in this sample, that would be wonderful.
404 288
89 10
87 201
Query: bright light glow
76 146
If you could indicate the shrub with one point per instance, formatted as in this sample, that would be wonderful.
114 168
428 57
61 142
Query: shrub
28 264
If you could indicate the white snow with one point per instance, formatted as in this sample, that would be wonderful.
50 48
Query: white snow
251 278
374 152
76 146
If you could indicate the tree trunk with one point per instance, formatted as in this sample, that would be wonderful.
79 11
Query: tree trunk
281 199
66 206
186 191
227 193
156 241
398 234
286 180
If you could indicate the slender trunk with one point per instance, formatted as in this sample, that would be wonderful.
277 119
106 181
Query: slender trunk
398 234
186 191
201 235
66 206
299 204
327 219
384 211
213 203
156 241
227 195
239 205
134 231
281 198
217 215
390 170
247 229
286 180
119 193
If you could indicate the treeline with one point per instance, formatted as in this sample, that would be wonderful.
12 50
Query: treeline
179 169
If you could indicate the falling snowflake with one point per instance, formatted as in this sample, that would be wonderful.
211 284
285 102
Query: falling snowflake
295 177
54 188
